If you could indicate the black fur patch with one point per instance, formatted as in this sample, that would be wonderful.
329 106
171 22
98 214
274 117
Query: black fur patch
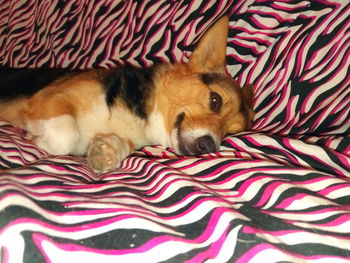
212 78
22 82
179 120
132 85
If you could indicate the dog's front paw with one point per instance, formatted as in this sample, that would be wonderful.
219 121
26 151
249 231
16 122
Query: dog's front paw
101 155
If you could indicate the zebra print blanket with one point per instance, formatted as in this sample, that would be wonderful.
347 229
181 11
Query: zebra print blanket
278 194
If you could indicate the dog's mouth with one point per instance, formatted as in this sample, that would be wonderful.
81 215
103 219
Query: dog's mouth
188 143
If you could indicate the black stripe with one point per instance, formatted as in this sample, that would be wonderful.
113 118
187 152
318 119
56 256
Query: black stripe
132 85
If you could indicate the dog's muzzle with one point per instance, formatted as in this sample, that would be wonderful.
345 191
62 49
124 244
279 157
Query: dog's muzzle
191 145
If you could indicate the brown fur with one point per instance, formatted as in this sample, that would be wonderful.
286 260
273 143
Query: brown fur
180 96
193 92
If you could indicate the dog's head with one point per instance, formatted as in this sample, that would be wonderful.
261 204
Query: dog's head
197 104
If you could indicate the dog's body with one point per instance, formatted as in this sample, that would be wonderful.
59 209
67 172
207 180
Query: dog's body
106 114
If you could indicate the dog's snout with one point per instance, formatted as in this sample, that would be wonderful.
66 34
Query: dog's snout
205 144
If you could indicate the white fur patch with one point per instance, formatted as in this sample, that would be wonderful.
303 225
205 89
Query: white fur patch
156 131
57 136
102 120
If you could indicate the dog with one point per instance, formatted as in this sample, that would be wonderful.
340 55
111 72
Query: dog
107 114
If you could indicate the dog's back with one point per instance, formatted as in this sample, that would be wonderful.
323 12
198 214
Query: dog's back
18 84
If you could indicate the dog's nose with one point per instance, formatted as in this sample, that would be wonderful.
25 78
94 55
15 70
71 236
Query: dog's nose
205 144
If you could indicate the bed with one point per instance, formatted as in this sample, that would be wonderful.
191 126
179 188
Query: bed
277 193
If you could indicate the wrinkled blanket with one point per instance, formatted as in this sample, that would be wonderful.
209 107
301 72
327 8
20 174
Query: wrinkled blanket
279 193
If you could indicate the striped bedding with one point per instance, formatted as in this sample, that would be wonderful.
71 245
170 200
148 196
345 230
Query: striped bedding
279 193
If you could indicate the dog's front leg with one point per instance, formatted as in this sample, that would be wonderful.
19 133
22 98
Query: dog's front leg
106 151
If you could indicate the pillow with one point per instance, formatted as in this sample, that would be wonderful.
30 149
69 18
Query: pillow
296 54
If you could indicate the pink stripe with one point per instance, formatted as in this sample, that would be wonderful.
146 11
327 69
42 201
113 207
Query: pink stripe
262 41
258 32
268 192
315 180
256 250
275 15
286 213
267 118
211 174
5 12
288 201
255 158
31 192
5 255
250 254
333 21
250 47
333 188
240 59
147 40
212 251
74 229
170 184
254 230
39 238
344 106
290 156
345 218
342 118
333 50
247 184
334 75
344 59
278 7
87 212
260 25
333 168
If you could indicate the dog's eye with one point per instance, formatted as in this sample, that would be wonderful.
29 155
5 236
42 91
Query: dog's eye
215 102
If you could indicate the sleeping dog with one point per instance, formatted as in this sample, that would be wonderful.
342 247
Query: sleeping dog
107 114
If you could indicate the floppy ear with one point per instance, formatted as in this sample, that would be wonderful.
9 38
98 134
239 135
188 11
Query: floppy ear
210 53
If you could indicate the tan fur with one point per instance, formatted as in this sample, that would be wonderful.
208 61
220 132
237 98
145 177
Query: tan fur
10 111
74 95
71 116
180 90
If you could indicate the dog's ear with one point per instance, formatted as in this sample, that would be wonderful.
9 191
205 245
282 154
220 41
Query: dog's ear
248 96
210 53
248 103
244 120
